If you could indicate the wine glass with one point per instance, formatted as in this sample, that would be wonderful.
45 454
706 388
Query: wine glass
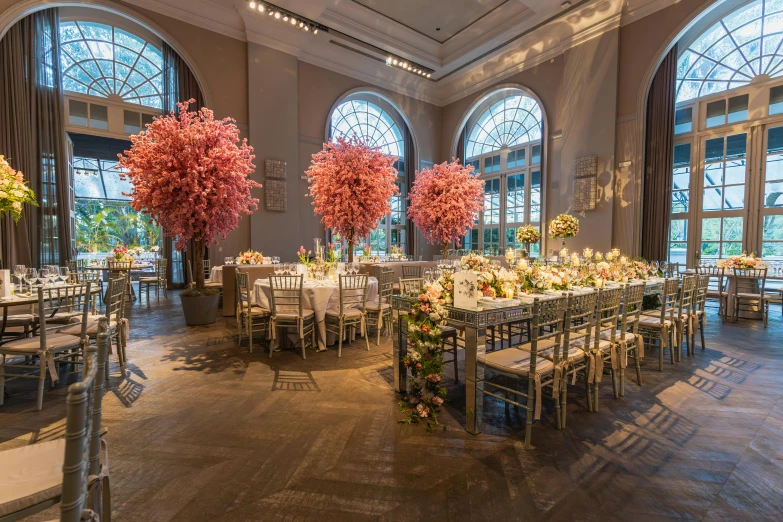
43 274
428 275
19 273
65 273
655 266
662 264
31 276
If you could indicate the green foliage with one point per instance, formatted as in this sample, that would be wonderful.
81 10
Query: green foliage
101 225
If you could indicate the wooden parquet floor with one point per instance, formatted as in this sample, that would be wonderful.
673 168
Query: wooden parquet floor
201 430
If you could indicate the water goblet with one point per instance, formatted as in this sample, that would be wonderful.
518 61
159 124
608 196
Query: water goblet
662 265
654 265
65 274
19 273
31 276
428 275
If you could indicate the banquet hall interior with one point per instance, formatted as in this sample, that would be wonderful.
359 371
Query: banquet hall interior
371 260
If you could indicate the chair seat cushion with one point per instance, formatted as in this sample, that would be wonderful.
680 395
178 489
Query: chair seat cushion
30 475
447 331
65 318
517 362
652 321
575 354
753 296
291 315
715 293
258 310
20 320
607 335
348 313
148 280
375 307
603 344
32 345
92 327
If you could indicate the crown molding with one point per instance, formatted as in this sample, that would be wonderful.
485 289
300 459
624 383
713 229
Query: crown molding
638 9
207 15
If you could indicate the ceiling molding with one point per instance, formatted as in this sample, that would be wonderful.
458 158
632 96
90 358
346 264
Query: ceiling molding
209 16
638 9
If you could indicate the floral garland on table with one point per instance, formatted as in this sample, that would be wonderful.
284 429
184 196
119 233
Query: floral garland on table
251 257
13 191
742 261
528 234
425 358
563 226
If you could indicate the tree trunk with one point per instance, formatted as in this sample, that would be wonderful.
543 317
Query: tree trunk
446 251
198 262
350 246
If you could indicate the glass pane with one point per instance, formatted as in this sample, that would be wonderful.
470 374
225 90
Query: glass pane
682 154
734 197
772 250
513 120
131 121
492 201
716 113
99 117
536 155
683 120
679 201
773 195
776 100
732 229
773 228
738 108
710 229
731 249
775 139
710 249
681 178
77 113
735 172
678 230
714 149
736 145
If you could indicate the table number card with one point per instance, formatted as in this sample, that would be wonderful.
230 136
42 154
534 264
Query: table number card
465 290
5 283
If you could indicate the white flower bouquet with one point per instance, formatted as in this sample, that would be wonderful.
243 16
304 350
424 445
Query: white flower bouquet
13 191
528 234
563 226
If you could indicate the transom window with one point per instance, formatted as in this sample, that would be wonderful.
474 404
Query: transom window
101 60
378 126
733 51
504 144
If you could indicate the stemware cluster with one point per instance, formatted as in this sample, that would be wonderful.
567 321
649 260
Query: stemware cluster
48 274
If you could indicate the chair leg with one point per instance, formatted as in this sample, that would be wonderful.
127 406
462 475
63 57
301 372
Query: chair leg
250 333
558 413
378 327
615 383
340 340
660 353
41 380
2 379
364 333
529 413
563 395
701 331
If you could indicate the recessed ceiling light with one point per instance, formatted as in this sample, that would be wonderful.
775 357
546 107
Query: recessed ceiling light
252 5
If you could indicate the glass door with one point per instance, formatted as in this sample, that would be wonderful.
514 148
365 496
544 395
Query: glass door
771 207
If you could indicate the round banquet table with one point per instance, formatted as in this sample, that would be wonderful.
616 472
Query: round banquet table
317 296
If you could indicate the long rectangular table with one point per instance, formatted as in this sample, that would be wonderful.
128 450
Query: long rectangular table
474 323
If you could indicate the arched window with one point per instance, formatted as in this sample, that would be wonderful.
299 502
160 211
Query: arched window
503 142
733 51
727 174
101 60
376 121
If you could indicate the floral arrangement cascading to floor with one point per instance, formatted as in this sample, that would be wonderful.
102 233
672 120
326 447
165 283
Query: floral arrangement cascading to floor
425 358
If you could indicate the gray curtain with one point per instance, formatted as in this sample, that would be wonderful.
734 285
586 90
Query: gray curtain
179 84
658 160
32 137
461 147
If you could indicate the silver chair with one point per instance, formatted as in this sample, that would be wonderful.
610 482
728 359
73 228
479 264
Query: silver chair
72 471
716 288
381 314
700 307
350 315
411 286
411 271
627 339
754 279
288 310
519 366
94 278
158 281
657 325
249 316
685 313
50 346
119 269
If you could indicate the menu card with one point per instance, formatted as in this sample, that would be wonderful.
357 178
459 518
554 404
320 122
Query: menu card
6 284
466 289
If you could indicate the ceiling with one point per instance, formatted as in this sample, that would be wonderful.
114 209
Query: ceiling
480 42
437 19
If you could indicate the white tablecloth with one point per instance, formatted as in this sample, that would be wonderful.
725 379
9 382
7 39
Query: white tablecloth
317 296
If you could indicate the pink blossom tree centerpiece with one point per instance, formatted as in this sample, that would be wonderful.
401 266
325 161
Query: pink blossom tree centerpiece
191 177
444 201
351 184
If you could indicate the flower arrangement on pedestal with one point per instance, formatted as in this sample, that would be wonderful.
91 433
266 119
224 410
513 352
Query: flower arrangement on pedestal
742 261
528 234
191 177
444 201
351 184
425 358
563 226
13 191
251 257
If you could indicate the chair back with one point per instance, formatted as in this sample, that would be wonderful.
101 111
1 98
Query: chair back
411 286
353 292
671 288
160 269
702 287
243 292
672 270
411 271
579 314
756 278
286 293
385 284
117 263
83 431
687 297
72 266
607 313
633 295
547 323
53 300
84 276
115 299
717 275
207 269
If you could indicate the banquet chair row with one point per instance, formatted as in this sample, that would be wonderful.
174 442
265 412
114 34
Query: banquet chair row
249 317
72 471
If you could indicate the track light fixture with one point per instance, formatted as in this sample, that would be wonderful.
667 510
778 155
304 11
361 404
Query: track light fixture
279 13
414 68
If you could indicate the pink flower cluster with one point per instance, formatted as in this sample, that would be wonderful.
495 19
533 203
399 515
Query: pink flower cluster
444 201
190 176
351 185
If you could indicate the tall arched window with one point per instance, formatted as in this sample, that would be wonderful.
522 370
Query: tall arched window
727 189
376 121
503 142
101 60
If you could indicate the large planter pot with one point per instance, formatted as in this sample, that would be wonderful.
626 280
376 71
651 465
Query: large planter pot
200 310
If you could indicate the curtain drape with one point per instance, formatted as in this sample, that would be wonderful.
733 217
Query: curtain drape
461 147
179 84
411 163
32 137
658 160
